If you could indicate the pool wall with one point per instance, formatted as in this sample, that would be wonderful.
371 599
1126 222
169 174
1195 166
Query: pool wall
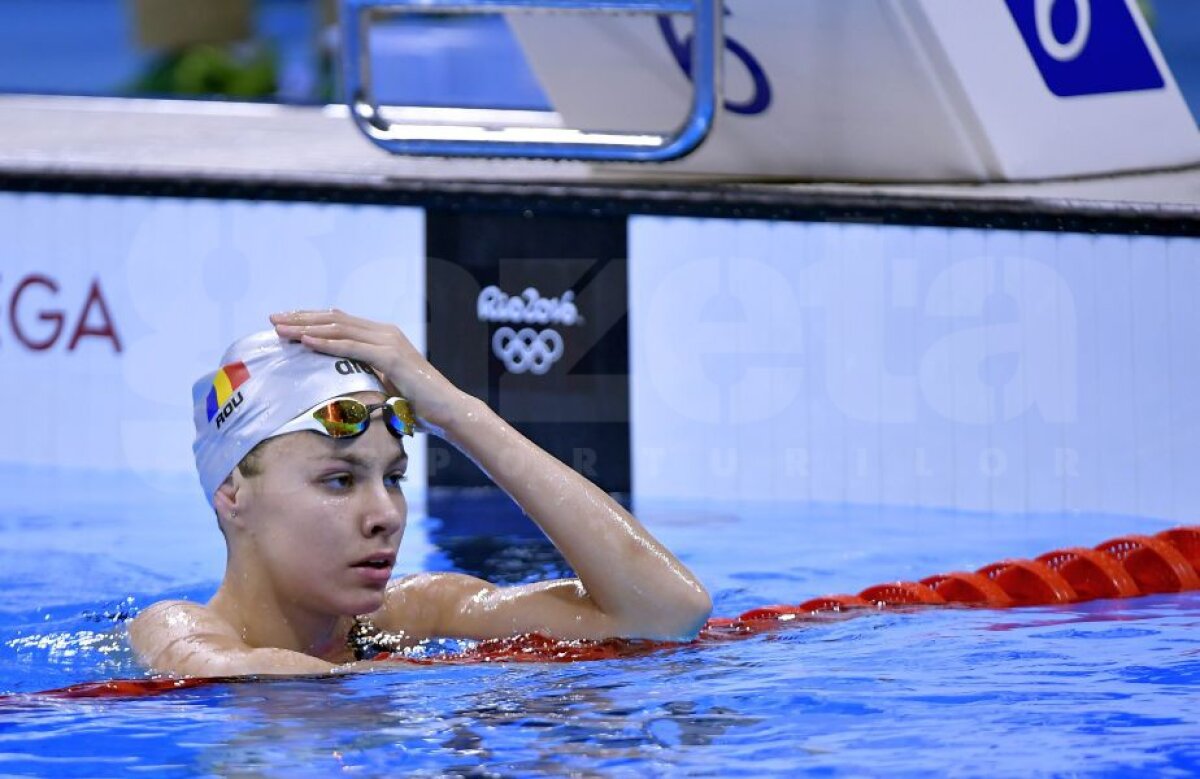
113 306
972 369
857 357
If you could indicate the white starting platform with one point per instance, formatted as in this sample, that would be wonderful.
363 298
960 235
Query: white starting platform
125 146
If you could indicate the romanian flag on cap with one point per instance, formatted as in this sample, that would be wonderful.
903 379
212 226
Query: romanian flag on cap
228 379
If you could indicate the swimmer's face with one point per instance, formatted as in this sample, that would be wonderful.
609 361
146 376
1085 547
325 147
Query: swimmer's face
325 516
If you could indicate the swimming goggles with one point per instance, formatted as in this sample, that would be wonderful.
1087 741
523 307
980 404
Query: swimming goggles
349 417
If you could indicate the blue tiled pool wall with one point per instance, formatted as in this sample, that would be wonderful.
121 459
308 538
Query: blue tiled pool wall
819 363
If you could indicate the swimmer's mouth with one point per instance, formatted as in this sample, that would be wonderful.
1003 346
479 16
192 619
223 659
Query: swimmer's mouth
379 562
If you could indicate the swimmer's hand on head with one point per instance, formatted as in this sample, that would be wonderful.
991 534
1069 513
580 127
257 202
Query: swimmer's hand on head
629 585
435 399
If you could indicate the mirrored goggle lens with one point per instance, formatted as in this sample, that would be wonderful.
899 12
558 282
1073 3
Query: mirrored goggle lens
342 418
400 416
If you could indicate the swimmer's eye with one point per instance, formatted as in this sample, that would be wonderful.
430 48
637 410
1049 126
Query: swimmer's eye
338 481
344 481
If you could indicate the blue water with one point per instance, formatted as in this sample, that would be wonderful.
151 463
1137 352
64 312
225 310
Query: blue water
1099 688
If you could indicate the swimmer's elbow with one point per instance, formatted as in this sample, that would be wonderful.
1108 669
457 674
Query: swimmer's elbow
685 616
695 612
704 606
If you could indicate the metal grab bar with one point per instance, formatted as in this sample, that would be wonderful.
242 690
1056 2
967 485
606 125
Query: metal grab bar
467 140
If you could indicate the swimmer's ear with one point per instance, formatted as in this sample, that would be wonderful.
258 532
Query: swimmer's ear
225 501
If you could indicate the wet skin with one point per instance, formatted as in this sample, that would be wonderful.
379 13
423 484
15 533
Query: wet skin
311 536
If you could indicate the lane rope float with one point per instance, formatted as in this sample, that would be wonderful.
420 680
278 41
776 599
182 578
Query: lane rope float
1124 567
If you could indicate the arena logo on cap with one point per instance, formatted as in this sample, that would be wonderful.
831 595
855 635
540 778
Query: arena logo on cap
350 367
222 400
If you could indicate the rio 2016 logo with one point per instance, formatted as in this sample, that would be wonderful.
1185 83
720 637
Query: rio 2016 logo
1086 47
681 49
527 349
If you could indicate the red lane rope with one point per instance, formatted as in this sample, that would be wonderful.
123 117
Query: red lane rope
1122 567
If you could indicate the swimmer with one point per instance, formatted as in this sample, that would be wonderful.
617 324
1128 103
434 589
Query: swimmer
300 450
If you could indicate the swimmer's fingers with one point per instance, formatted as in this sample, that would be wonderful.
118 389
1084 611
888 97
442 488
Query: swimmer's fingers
333 331
310 316
353 348
337 333
327 324
389 337
387 355
372 354
336 324
332 316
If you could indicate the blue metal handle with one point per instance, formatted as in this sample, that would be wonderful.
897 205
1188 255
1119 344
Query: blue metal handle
463 140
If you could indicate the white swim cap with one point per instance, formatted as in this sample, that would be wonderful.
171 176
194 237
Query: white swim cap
263 383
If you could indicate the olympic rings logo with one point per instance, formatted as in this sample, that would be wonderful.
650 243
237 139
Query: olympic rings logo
527 349
681 49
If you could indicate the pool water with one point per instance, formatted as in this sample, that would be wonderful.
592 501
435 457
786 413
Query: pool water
1104 687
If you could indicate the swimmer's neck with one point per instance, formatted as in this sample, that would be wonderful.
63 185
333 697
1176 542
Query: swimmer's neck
263 620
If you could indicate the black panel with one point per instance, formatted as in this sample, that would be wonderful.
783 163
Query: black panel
576 405
694 199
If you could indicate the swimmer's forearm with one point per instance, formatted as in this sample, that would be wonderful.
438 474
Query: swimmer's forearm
201 661
266 661
280 662
626 572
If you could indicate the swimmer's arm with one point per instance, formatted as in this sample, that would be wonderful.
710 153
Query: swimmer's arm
185 639
455 605
629 584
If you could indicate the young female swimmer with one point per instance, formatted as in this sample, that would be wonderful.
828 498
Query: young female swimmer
312 522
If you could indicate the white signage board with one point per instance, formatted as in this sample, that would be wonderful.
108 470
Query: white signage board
874 365
882 90
111 307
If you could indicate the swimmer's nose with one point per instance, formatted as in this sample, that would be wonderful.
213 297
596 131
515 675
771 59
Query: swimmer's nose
383 515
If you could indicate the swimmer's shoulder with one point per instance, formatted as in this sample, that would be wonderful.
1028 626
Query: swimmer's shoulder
156 633
181 638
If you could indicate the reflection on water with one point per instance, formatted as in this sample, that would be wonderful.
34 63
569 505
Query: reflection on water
88 644
545 720
1008 691
1108 684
